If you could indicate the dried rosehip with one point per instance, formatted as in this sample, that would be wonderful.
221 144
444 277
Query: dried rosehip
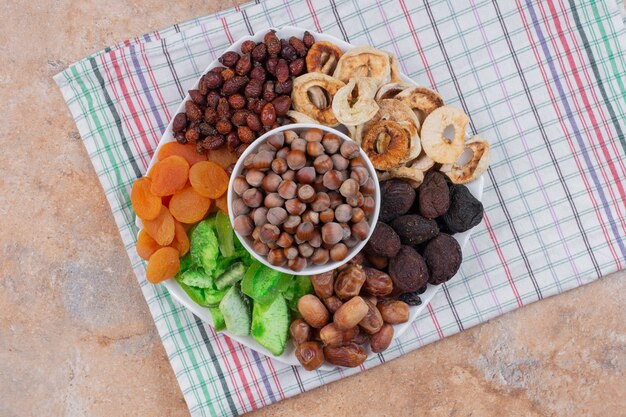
232 141
237 101
282 71
180 138
206 129
259 53
268 91
234 84
193 111
244 65
384 241
308 39
192 135
408 270
273 43
270 65
465 210
256 104
213 80
443 257
288 52
396 199
202 87
227 74
212 99
197 97
239 117
241 149
258 73
296 67
298 45
247 46
284 88
210 115
223 108
253 89
180 123
253 122
434 196
282 104
268 115
223 126
213 142
229 58
414 229
246 135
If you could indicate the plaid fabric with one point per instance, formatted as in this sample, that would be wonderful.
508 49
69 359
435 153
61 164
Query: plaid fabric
543 81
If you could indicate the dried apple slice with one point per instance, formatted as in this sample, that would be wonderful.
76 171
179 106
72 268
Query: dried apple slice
463 172
313 95
443 134
394 68
391 90
422 162
354 103
412 175
364 61
386 144
297 117
421 100
323 57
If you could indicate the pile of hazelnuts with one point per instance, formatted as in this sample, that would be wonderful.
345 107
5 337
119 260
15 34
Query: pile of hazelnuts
249 94
304 199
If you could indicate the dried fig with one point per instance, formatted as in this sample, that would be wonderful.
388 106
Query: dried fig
396 199
443 257
414 229
408 270
384 241
434 196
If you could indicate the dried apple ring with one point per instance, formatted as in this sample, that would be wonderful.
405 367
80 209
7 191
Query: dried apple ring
297 117
411 174
323 57
354 103
461 173
394 68
423 101
386 144
422 162
313 95
443 134
391 90
364 61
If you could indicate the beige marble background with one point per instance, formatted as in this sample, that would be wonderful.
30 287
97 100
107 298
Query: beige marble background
76 338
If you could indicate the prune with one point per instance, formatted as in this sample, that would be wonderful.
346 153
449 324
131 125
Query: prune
408 270
396 199
411 298
414 229
434 197
465 210
443 257
384 242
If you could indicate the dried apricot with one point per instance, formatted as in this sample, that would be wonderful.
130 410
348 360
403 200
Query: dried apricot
146 205
163 264
208 179
222 156
161 228
222 203
146 246
187 206
181 240
169 175
187 151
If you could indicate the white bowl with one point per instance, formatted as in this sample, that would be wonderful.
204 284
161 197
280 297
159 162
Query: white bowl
288 357
247 242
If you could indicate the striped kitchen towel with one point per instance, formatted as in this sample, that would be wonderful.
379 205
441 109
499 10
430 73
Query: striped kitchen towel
543 81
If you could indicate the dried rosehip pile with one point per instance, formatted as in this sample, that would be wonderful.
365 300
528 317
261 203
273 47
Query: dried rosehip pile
247 96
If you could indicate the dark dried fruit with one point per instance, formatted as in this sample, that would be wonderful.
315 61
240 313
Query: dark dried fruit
411 298
414 229
465 210
282 71
241 149
384 241
253 122
258 73
408 270
197 97
217 70
229 58
434 196
213 142
234 84
210 115
268 91
206 129
223 108
298 45
256 104
192 135
288 52
308 39
253 89
270 65
282 104
213 80
443 257
237 101
284 88
247 46
268 115
239 117
212 99
180 138
202 87
296 67
396 199
273 43
180 122
232 141
223 126
227 74
193 111
244 65
246 135
259 53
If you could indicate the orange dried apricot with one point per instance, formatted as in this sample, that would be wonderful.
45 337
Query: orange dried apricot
187 151
163 264
208 179
161 228
169 175
146 205
222 203
187 206
146 246
181 240
222 156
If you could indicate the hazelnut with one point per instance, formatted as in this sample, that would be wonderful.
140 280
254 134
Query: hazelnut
273 200
311 217
323 164
239 207
360 175
316 240
271 182
349 149
247 162
290 174
277 140
256 233
290 252
298 144
279 166
291 224
357 215
313 135
331 143
263 159
240 185
321 202
306 193
254 177
243 225
361 229
283 152
290 135
332 180
368 187
338 252
349 188
269 233
352 241
327 215
335 199
276 215
305 250
260 216
306 175
368 205
285 240
356 200
297 264
252 197
276 257
339 162
318 184
296 159
347 232
305 231
320 256
314 149
332 233
287 189
343 213
358 162
260 248
295 206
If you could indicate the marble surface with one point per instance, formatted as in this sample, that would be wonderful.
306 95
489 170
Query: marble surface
76 337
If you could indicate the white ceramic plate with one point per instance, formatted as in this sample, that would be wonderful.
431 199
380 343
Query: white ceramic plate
288 357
